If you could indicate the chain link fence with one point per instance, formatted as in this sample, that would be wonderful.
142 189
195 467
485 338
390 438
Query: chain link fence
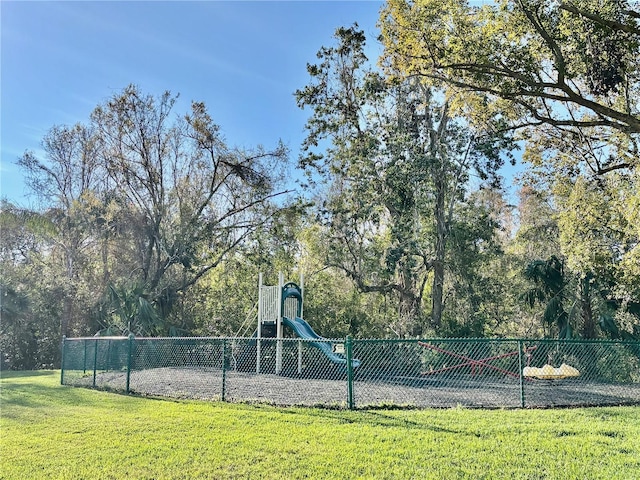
361 373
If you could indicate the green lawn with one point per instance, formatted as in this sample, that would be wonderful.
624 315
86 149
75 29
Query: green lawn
48 431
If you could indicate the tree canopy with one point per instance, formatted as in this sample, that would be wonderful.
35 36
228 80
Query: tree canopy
568 65
397 163
151 200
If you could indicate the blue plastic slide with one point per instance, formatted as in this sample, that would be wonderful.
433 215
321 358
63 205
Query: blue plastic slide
304 330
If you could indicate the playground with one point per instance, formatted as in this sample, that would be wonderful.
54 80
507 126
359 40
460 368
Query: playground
286 362
279 306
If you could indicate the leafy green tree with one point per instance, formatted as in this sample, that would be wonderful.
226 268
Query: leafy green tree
565 64
598 229
579 304
225 301
31 300
333 304
564 75
197 198
581 220
126 310
144 203
600 239
71 170
534 235
396 163
477 286
538 234
551 286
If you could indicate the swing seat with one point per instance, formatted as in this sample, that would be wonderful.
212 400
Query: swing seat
548 372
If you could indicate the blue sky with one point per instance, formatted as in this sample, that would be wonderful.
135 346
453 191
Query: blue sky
243 59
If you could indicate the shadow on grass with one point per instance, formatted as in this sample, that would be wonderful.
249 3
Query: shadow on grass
28 373
368 417
38 395
46 393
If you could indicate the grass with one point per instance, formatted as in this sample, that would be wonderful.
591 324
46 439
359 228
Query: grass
55 432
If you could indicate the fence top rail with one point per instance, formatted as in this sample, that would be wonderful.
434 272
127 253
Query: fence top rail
273 339
499 340
69 339
375 340
334 340
112 337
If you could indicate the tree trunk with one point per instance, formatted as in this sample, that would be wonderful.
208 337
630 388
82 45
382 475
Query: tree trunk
409 305
588 322
437 290
67 305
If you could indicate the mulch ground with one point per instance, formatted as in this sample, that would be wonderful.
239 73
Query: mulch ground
430 391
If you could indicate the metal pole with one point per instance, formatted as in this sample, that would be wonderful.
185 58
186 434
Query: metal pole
279 325
260 314
64 345
224 370
301 316
521 373
348 345
301 295
95 361
84 358
129 360
108 358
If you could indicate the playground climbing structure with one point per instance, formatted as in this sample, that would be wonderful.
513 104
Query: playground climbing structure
282 305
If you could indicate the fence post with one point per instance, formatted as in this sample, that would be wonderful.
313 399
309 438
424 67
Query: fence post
224 369
84 357
521 372
64 340
95 360
349 352
258 352
129 358
108 356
